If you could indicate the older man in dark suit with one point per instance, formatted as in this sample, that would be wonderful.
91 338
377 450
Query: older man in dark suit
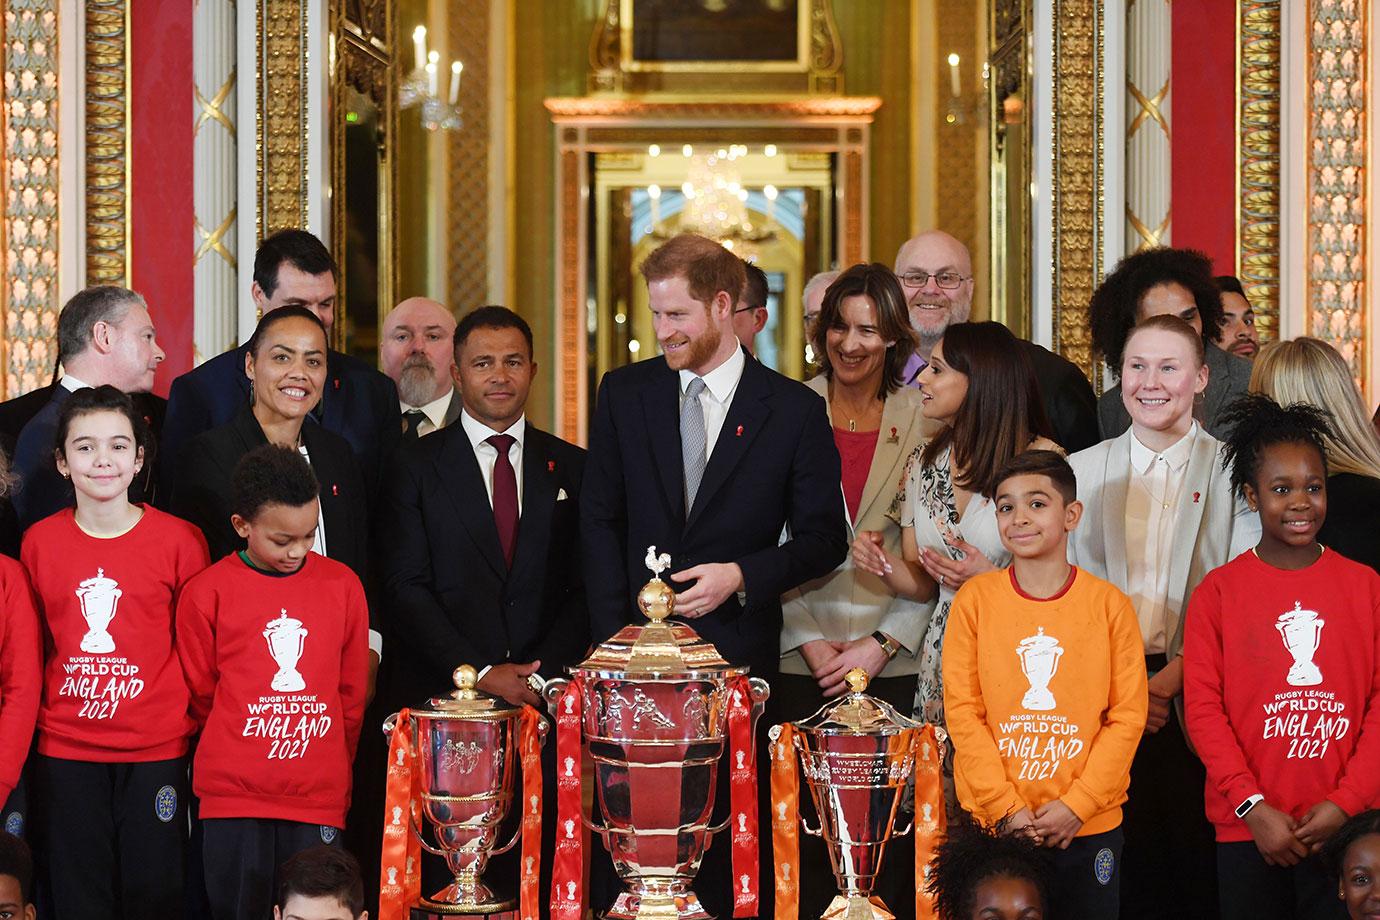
709 455
416 352
292 267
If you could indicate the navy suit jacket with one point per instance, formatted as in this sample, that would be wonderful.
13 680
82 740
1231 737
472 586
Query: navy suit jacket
359 404
774 465
451 598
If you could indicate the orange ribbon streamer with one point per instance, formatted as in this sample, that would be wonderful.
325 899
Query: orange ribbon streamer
401 854
567 901
930 822
529 747
742 792
785 822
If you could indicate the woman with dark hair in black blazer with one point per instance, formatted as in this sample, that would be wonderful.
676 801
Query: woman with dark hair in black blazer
286 366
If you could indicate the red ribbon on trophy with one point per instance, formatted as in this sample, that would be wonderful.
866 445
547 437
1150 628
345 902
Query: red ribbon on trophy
742 798
930 821
567 901
529 748
401 854
785 823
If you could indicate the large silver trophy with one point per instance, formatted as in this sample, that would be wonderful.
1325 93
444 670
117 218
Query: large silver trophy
467 762
858 755
654 703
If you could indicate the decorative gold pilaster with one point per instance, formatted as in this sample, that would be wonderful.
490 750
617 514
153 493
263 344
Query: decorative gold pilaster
281 115
30 128
1077 182
107 142
1338 116
467 158
1257 160
570 309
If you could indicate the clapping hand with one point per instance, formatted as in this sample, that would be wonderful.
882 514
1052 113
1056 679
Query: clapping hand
952 573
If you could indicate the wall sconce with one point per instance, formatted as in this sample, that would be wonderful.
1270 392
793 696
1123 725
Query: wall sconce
421 87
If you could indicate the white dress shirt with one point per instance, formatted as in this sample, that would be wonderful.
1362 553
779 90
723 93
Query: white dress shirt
71 384
719 386
487 454
435 412
1152 511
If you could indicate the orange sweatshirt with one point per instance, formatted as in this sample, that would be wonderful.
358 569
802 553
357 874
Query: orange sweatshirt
1044 699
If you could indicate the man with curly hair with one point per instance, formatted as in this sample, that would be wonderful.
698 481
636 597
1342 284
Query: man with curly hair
1164 280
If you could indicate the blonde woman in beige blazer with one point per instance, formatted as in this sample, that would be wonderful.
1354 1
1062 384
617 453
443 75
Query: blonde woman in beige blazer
1159 513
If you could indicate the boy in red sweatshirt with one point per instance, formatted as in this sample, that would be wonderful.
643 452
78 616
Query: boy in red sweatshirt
1282 677
274 644
1044 691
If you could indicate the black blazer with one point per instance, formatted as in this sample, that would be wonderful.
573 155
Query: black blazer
359 404
774 465
202 495
450 597
1069 401
1353 507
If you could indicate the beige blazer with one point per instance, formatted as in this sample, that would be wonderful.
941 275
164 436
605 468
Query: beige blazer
848 603
1214 524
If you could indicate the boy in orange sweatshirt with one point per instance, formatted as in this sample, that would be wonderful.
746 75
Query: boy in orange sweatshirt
1044 690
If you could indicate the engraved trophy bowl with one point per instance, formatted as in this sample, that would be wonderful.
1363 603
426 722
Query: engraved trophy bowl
1039 655
99 598
655 701
857 754
467 762
286 638
1301 632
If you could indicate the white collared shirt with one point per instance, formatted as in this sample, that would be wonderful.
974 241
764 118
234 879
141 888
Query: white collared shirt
71 384
435 412
1153 503
719 386
487 454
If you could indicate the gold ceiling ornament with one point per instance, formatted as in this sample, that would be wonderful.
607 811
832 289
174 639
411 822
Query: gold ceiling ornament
1257 159
1077 183
107 142
281 115
30 117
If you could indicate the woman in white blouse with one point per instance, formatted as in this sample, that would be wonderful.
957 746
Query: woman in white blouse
1159 513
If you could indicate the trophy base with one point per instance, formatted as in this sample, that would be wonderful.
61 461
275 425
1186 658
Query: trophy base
453 900
99 643
289 681
684 906
1305 674
856 907
1037 700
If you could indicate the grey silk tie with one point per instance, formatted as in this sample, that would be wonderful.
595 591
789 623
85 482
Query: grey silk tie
693 441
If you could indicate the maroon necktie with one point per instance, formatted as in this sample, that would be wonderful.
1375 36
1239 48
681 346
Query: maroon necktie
505 495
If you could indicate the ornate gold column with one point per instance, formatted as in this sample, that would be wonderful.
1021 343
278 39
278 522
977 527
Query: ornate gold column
107 142
30 120
1148 38
1257 170
1338 118
215 191
281 115
1076 191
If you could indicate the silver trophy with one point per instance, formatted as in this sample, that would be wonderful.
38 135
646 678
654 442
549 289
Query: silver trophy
857 754
467 761
99 597
1301 631
655 705
286 638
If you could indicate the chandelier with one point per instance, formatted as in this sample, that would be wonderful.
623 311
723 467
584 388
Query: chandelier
421 87
716 202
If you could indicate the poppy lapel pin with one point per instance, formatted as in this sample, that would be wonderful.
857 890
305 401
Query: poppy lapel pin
335 489
551 466
739 433
893 438
1196 496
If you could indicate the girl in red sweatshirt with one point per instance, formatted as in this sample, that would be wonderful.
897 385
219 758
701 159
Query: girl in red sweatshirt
110 776
274 643
1282 677
21 667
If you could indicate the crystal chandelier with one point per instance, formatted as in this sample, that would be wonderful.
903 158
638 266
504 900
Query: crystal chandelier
421 87
716 202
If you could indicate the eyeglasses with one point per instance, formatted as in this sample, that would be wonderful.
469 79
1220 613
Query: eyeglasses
946 280
746 309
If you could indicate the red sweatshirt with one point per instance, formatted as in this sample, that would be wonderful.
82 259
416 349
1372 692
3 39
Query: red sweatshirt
21 672
1282 686
278 668
112 689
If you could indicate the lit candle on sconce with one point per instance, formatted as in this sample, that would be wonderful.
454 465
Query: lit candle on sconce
954 85
654 194
419 46
455 68
770 193
431 79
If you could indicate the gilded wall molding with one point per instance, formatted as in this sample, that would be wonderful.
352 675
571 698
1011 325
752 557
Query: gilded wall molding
107 142
467 158
1257 160
30 121
1338 117
1077 195
281 115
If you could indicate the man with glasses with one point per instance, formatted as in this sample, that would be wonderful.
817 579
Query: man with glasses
750 312
936 274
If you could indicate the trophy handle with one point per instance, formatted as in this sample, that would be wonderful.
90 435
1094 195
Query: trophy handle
904 831
712 832
517 835
552 691
812 831
417 832
389 724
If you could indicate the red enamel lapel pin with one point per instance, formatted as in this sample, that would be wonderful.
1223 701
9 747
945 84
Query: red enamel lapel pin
551 466
740 431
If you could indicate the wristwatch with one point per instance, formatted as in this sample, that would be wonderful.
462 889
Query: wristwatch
1251 801
888 644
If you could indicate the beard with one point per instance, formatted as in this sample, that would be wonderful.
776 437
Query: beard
697 351
417 382
931 324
